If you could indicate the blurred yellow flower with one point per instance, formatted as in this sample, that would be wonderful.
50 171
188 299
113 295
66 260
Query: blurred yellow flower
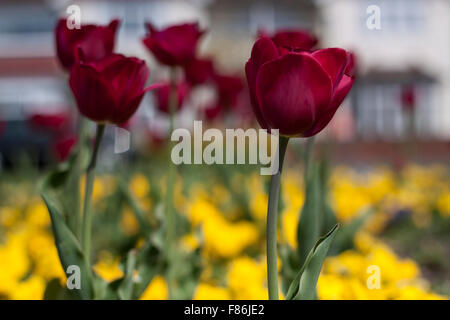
139 186
206 291
156 290
31 288
128 222
108 267
37 215
247 279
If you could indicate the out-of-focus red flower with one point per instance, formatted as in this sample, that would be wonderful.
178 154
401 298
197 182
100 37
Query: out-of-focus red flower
199 71
162 96
51 121
212 112
110 89
96 41
408 97
296 92
228 89
292 40
64 146
175 45
156 138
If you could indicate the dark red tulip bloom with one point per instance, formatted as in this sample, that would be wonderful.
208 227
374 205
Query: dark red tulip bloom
408 97
162 96
51 121
175 45
199 71
110 89
228 89
292 40
212 112
296 92
64 146
96 41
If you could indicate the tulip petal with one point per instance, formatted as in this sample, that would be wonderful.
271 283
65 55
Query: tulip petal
291 91
294 39
93 96
333 61
127 78
263 51
175 45
339 95
126 111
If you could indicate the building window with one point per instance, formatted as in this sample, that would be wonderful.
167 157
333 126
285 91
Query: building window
380 113
397 16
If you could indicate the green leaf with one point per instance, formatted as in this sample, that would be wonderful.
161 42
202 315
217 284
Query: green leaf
68 247
308 225
303 287
327 217
344 239
55 291
126 287
67 186
149 262
135 208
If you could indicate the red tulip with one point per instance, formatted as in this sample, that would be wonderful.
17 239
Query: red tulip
111 89
199 71
175 45
96 41
162 96
53 121
296 92
408 97
212 112
228 89
64 146
292 40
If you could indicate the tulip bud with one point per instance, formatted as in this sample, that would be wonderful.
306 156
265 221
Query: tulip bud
199 71
175 45
110 89
96 41
296 92
162 96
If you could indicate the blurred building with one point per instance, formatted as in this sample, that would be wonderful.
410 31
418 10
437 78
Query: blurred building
411 48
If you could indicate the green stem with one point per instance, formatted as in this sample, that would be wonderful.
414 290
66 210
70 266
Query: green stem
82 125
308 156
272 215
87 215
170 213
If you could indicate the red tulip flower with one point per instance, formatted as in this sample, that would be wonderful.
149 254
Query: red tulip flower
228 89
53 121
64 146
111 89
296 92
212 112
199 71
175 45
408 97
292 40
96 41
162 96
